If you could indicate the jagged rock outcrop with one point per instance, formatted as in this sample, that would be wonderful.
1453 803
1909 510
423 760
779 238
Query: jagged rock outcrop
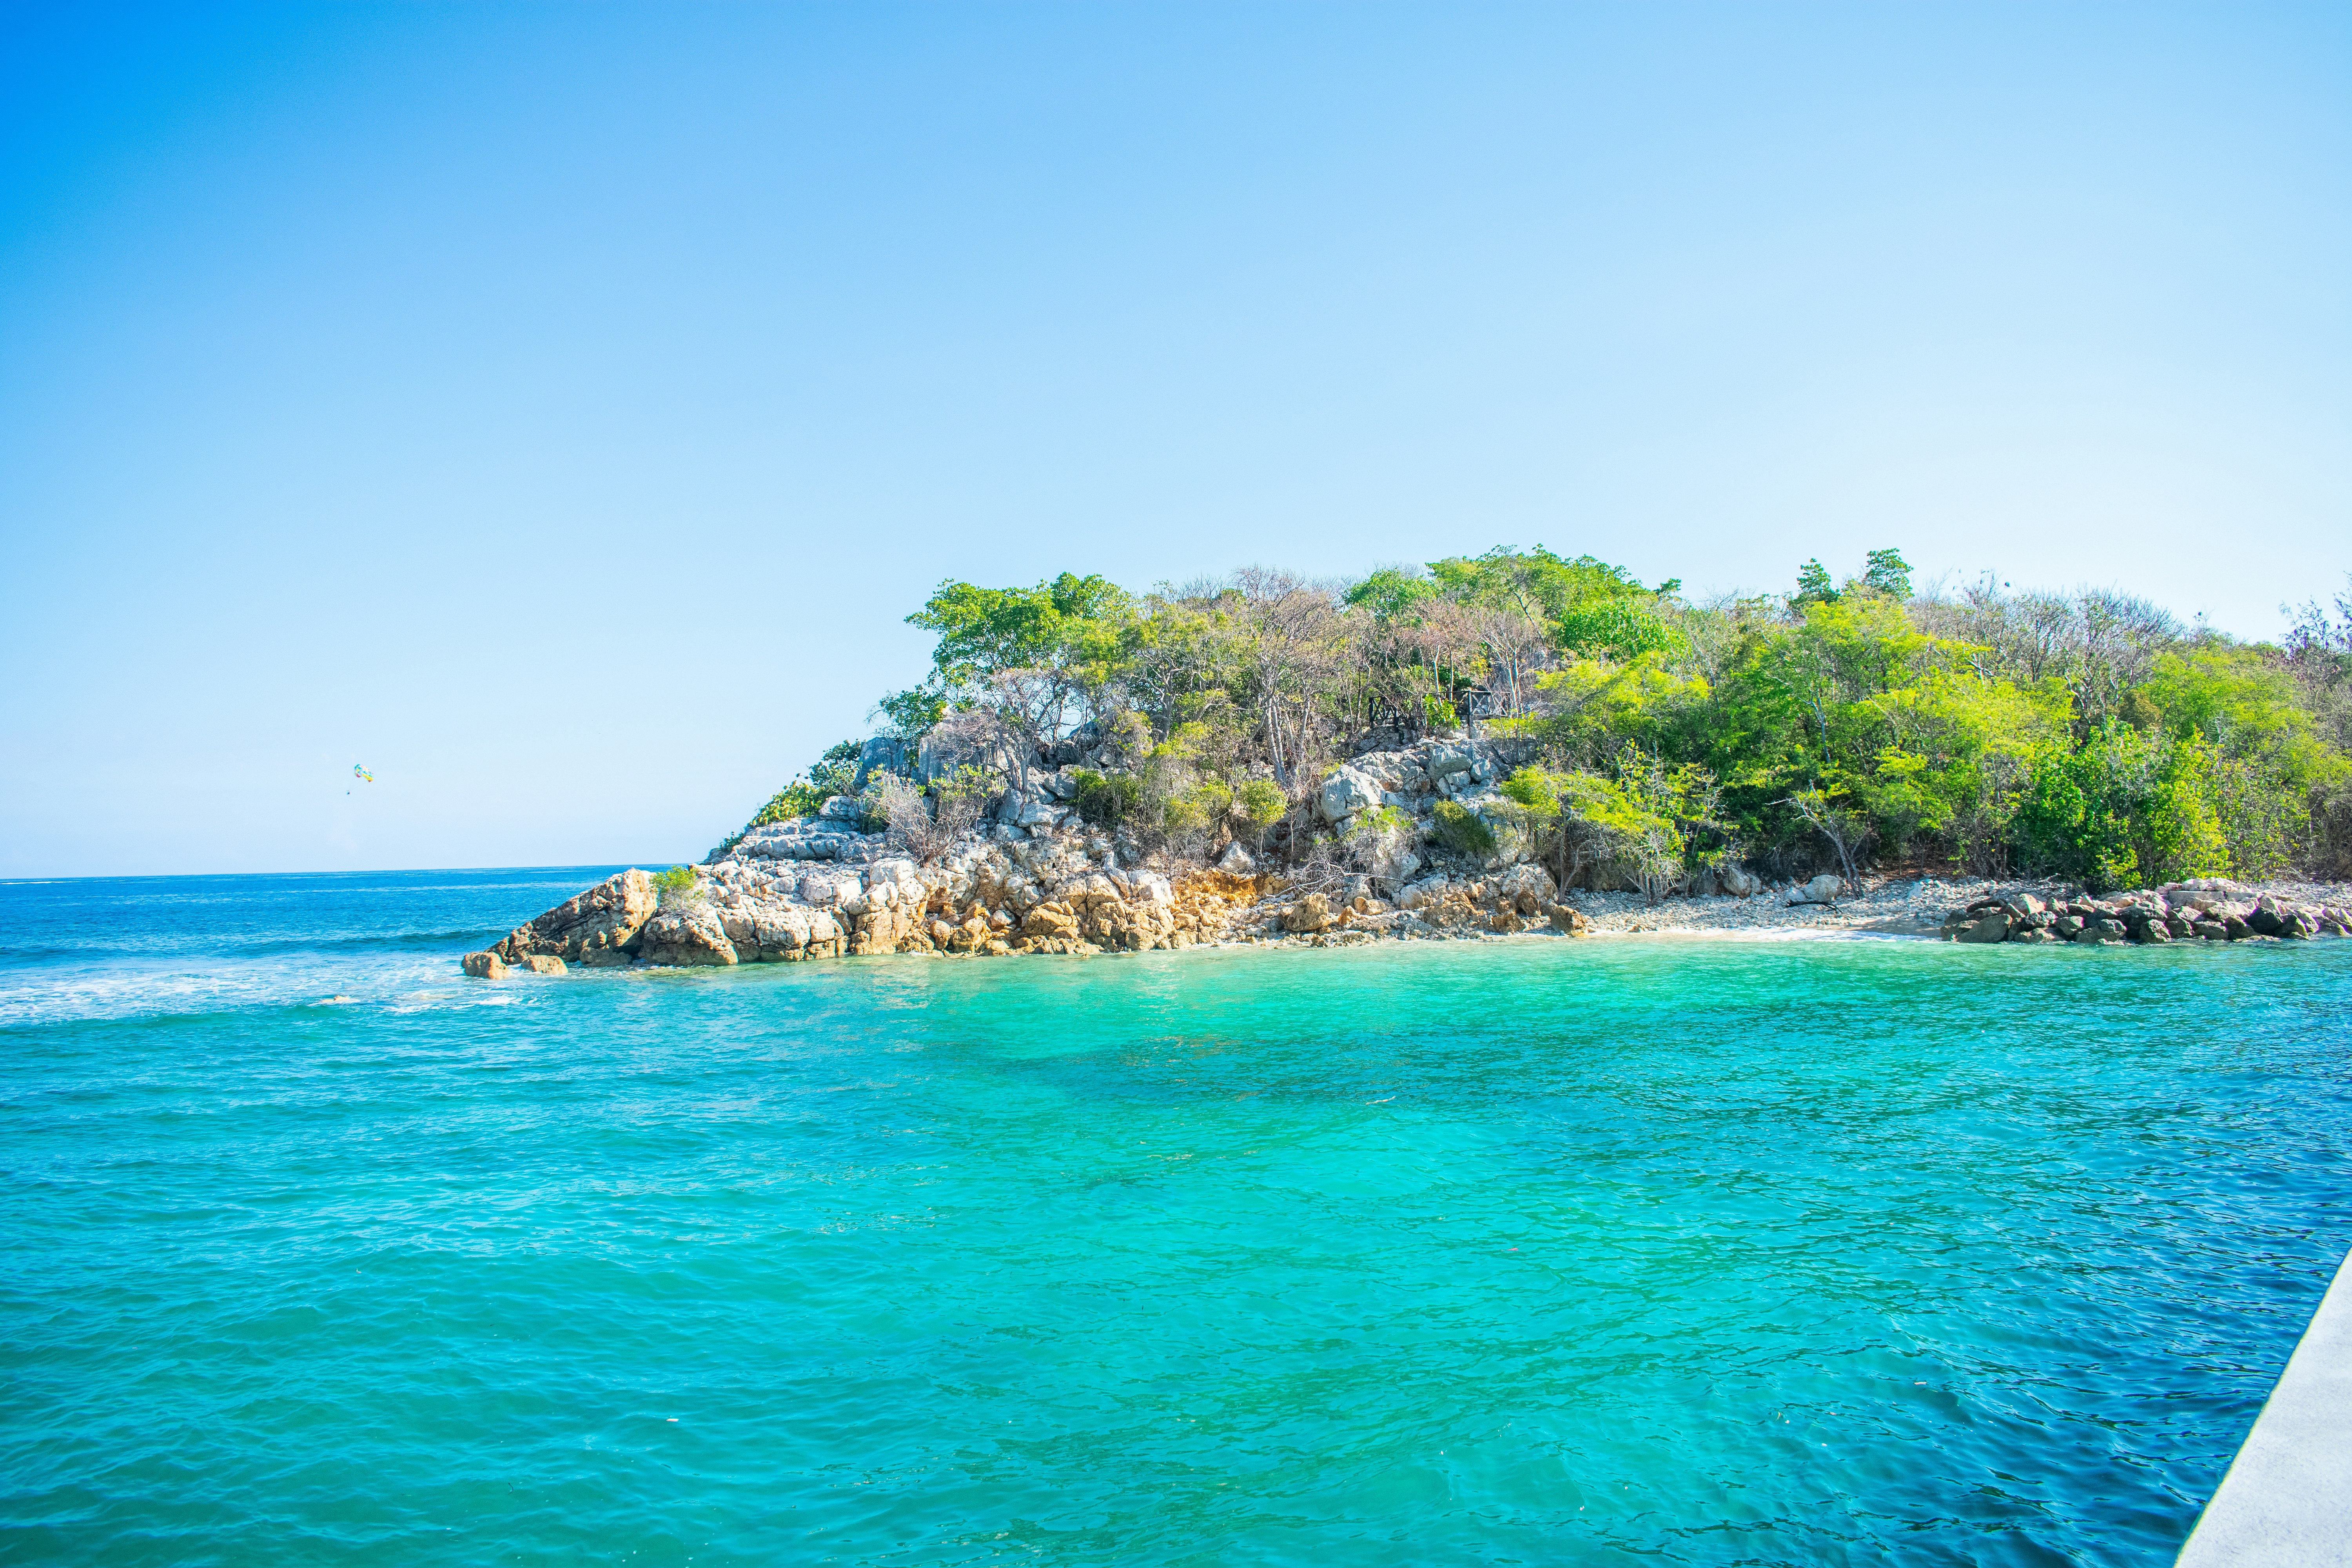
1033 879
597 928
689 934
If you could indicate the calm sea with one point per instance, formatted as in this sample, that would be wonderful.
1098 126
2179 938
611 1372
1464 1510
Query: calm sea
1526 1252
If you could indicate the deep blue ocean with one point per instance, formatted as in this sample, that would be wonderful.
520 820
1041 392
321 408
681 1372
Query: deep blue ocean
1537 1251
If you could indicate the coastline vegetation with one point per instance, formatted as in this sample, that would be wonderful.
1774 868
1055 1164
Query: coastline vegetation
1840 725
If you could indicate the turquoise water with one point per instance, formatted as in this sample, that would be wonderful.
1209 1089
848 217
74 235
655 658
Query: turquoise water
1602 1252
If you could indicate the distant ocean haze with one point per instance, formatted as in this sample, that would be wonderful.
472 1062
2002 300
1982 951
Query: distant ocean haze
1600 1251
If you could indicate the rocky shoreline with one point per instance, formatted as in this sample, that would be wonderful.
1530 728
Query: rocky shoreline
1038 880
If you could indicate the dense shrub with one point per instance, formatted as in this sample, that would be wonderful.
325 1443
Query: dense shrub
1464 831
1107 800
677 887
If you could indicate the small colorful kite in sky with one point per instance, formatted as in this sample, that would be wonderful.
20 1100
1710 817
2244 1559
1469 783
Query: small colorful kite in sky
359 773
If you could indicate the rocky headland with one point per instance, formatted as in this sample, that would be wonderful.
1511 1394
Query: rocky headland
1431 849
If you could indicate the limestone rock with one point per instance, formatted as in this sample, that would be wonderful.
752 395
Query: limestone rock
1427 891
1528 889
1449 759
1823 890
689 935
1739 882
880 753
543 964
601 926
1346 793
484 966
1310 914
1569 919
1236 862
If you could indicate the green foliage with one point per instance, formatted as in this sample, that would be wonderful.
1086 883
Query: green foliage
1464 831
1107 800
834 772
915 710
678 887
2129 808
1537 583
1391 594
1887 572
1071 619
1617 627
1262 804
2087 734
1534 790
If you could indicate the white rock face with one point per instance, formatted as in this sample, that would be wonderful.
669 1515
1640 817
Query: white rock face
1236 861
1346 793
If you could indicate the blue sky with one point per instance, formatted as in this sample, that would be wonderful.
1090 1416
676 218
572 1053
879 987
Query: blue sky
556 408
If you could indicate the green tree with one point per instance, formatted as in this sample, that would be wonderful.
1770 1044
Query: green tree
1813 583
1887 572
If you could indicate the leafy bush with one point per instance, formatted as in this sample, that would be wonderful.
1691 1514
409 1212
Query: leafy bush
2130 808
1463 831
1262 804
678 888
1107 800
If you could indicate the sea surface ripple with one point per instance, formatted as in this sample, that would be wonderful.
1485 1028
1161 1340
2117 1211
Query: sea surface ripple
1528 1251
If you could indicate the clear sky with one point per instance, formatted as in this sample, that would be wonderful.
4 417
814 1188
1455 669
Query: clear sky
557 408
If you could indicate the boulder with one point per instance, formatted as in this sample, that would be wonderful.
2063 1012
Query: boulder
2023 904
542 963
601 926
1738 882
1991 927
484 966
1346 793
1449 758
1050 921
687 936
1429 890
1527 889
1310 914
1823 890
779 932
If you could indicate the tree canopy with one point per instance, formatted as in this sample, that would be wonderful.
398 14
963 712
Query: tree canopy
2087 733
